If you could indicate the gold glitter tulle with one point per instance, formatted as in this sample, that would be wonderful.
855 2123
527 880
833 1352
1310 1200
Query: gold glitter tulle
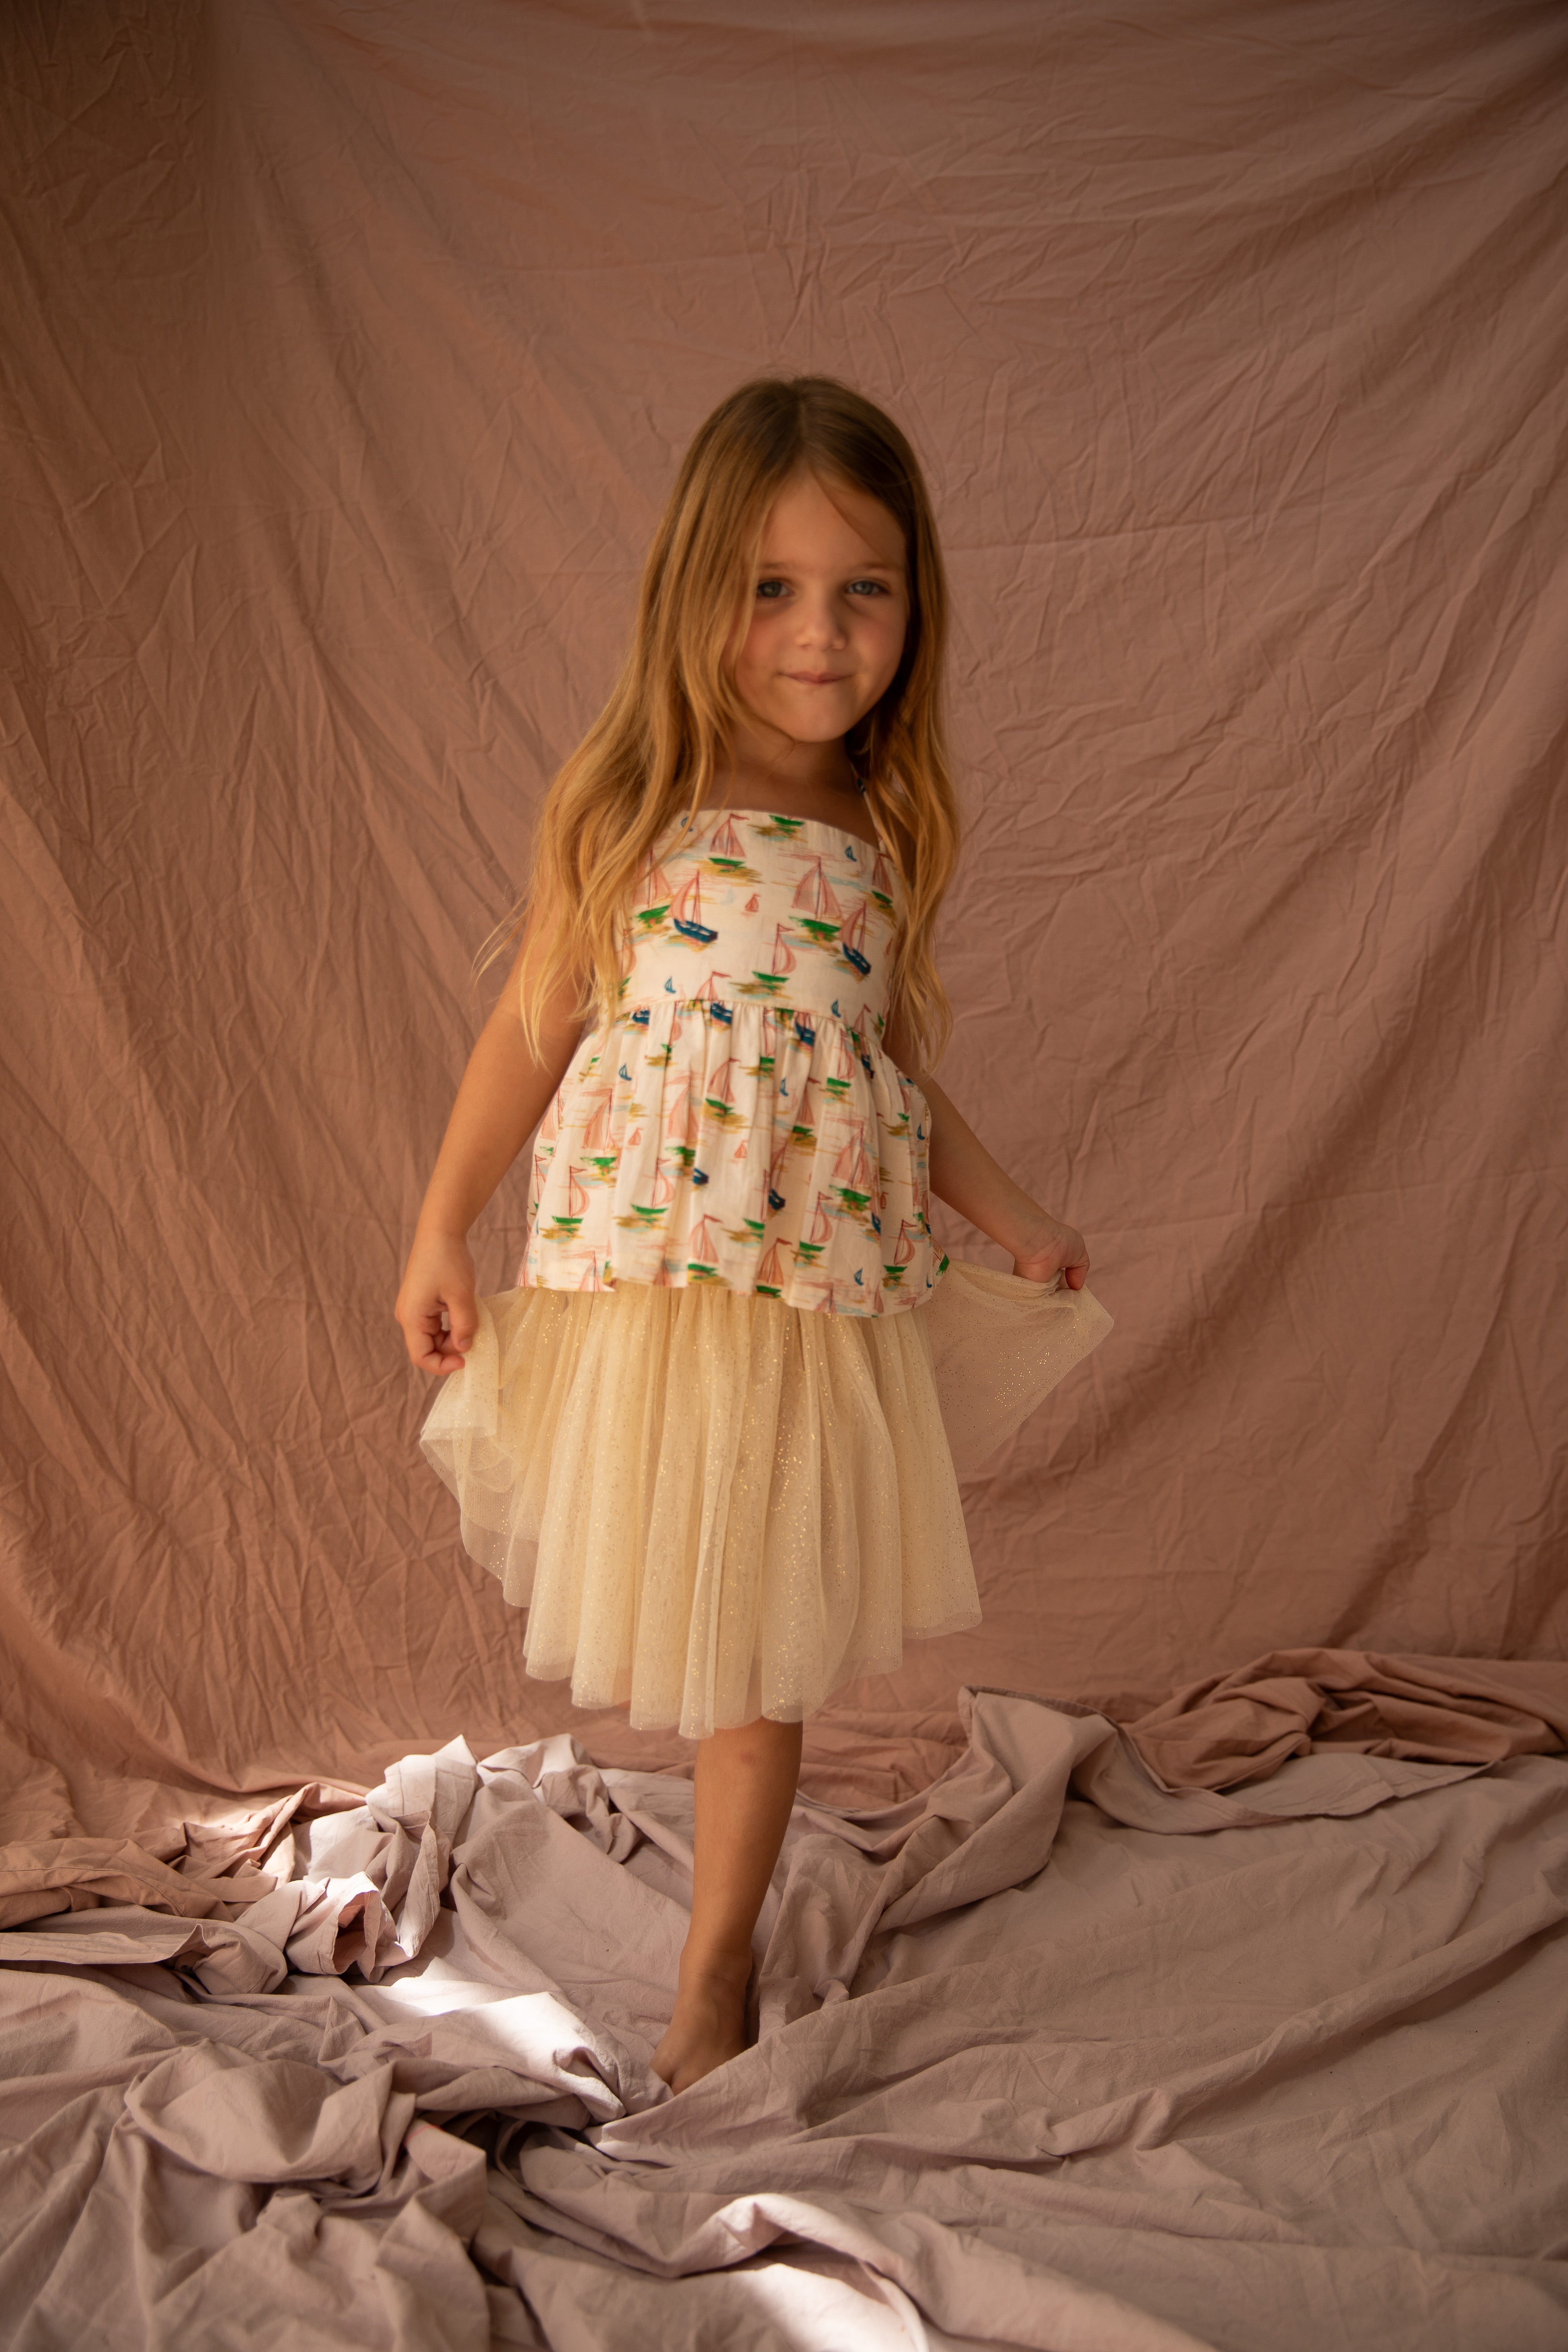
716 1507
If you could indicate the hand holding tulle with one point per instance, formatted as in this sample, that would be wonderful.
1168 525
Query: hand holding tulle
1057 1249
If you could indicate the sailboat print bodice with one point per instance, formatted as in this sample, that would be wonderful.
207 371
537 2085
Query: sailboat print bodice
737 1120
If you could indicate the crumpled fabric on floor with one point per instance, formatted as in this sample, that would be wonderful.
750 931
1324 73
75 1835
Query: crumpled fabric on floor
1036 2064
1241 1725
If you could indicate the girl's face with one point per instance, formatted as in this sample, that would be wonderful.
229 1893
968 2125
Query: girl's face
827 622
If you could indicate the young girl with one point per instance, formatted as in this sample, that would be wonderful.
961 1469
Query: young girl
704 1440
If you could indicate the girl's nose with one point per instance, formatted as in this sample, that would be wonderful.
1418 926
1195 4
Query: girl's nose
818 623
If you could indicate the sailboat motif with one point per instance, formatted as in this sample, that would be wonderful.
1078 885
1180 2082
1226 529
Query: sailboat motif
803 1129
851 941
677 1124
702 1252
781 963
770 1073
654 896
817 1237
771 1271
727 856
598 1146
719 1097
854 1177
817 909
686 912
839 1082
895 1268
644 1214
568 1222
707 992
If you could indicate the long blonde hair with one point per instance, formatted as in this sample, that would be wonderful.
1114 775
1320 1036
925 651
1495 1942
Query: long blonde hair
651 754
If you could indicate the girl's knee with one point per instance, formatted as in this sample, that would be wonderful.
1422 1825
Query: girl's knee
760 1741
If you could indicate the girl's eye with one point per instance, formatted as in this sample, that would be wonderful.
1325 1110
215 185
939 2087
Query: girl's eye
867 587
773 589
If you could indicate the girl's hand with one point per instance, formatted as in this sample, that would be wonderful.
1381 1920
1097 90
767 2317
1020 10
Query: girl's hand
1055 1249
439 1275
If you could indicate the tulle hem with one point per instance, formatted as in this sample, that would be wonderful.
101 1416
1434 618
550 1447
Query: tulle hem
716 1507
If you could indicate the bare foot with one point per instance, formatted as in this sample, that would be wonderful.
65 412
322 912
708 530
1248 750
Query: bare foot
708 2026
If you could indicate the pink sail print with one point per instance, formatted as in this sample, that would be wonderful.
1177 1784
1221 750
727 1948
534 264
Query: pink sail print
566 1224
702 1253
654 897
718 1100
781 963
771 1271
854 1177
817 1237
817 910
599 1151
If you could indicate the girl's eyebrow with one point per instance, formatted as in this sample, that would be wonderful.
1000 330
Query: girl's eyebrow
850 570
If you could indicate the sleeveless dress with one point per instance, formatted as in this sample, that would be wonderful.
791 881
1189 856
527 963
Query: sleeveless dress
711 1441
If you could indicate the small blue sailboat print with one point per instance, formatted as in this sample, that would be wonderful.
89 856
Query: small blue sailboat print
686 912
850 939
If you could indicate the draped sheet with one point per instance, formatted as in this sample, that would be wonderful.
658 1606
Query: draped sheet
1047 2057
352 350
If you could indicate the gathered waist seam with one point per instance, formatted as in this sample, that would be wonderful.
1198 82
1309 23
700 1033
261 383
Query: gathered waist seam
639 1011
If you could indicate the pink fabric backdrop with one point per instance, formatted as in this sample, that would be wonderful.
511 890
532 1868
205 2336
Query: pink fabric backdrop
352 347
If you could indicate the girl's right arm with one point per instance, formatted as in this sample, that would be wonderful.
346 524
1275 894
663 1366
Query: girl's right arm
503 1096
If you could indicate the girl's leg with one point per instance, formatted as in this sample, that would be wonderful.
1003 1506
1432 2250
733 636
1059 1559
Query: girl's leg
745 1782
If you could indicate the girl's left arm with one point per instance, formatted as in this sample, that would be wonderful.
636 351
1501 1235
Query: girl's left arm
965 1175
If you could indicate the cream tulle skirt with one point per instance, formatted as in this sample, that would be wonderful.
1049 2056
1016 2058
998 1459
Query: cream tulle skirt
715 1506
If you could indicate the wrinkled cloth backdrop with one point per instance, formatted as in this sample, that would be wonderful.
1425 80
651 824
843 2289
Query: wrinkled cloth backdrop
352 347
